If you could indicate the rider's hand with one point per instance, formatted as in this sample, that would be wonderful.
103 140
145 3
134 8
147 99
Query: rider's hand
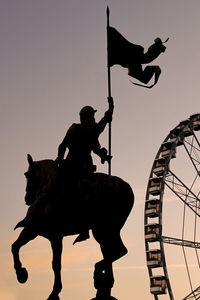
110 101
108 158
58 160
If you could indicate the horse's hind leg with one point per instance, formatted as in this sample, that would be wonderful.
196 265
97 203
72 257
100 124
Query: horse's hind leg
112 249
103 280
24 237
56 244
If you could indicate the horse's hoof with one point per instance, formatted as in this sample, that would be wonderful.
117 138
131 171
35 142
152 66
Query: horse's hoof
22 275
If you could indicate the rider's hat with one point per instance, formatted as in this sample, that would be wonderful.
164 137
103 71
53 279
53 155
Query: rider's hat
87 111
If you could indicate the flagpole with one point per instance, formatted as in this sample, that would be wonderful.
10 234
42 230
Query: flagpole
109 94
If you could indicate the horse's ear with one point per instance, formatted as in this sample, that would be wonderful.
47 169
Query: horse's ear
30 160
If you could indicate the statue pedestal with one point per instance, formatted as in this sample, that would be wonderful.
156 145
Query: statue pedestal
108 298
103 284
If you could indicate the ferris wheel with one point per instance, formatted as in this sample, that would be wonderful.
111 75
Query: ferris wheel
172 215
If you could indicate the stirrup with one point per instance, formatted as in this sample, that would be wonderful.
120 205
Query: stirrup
82 237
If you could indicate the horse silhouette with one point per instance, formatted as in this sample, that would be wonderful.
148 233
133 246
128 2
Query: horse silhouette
100 202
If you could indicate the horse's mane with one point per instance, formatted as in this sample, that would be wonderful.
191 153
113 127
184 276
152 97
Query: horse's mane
48 172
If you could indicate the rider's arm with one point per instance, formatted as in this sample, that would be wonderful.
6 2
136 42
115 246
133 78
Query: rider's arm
107 117
62 147
101 152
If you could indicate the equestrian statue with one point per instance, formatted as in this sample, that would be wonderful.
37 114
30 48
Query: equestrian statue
67 197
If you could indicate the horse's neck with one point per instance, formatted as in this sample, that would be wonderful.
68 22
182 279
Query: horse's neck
48 177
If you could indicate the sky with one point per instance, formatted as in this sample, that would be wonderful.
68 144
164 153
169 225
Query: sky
53 62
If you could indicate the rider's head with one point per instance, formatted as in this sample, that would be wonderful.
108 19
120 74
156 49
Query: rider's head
87 114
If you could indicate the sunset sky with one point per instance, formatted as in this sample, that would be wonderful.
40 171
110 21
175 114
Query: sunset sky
53 62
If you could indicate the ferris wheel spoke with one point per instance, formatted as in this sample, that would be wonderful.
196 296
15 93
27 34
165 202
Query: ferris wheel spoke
182 192
183 244
193 152
180 242
196 139
195 294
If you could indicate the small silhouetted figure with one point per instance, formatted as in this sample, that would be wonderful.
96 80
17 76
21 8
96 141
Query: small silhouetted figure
81 139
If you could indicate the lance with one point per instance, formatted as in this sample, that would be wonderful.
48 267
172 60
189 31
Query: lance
109 93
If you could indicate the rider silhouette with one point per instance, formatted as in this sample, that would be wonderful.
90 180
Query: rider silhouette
81 139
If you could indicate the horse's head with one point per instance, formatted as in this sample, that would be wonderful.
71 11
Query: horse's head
40 176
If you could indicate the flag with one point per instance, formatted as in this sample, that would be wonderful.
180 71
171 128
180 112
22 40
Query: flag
131 56
121 51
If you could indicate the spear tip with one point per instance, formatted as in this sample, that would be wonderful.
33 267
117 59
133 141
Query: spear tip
108 10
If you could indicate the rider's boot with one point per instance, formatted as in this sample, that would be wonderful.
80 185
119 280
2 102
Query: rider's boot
82 237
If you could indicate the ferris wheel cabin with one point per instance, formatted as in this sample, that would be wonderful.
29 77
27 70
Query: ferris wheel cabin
159 166
152 208
155 186
158 285
154 258
152 232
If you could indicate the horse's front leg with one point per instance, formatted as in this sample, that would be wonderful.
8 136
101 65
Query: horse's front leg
24 237
56 244
112 249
